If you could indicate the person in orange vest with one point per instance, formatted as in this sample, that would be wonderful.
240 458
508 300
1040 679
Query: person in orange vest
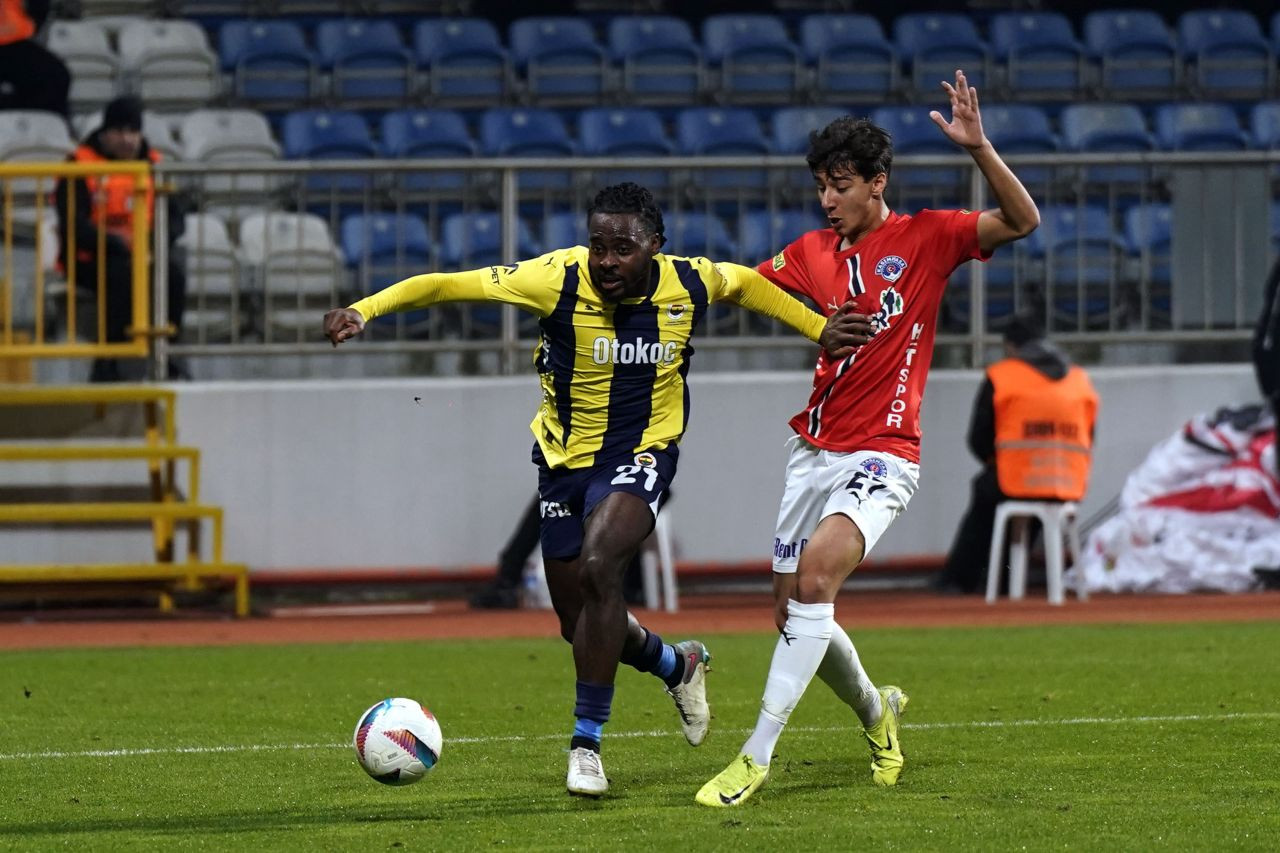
108 203
31 77
1032 430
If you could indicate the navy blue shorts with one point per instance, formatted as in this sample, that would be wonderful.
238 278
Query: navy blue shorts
568 495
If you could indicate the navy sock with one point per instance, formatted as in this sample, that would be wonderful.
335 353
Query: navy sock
591 713
658 658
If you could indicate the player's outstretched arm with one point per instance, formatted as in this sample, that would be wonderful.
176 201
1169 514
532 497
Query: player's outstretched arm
1016 215
839 335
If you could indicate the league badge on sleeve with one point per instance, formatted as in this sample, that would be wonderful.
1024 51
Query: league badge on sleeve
890 268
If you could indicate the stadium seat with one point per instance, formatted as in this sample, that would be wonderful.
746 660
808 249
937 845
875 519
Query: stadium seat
661 63
268 60
791 127
763 234
564 229
1148 232
1105 128
94 66
520 132
464 60
1226 53
1264 124
935 45
756 59
1136 51
229 136
329 135
33 135
1082 256
169 63
913 132
366 59
629 132
693 233
474 240
381 249
853 58
560 59
716 131
427 134
1021 129
213 267
1042 57
297 269
1198 127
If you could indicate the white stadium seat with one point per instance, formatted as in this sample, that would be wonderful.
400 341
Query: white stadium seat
94 66
169 62
298 267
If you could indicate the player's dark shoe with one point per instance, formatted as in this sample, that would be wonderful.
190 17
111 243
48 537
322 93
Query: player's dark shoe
496 598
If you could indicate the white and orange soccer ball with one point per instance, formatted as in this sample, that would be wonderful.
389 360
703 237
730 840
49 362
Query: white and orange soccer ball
397 741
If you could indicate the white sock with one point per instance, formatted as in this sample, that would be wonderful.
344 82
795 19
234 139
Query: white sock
795 660
843 673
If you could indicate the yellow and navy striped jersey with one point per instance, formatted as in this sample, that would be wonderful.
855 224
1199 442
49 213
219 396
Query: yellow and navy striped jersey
612 373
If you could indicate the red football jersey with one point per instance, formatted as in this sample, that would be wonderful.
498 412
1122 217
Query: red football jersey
897 273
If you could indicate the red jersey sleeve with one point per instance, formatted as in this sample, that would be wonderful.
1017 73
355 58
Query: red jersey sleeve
788 269
953 238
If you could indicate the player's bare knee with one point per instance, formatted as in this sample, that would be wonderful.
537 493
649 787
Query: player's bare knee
599 578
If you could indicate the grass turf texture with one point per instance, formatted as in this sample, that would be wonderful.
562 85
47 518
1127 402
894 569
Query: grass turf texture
1000 754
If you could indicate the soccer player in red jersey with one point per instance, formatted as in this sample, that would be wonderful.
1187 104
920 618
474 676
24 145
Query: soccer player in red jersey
854 461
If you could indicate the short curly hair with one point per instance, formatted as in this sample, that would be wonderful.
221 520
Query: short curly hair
629 197
851 144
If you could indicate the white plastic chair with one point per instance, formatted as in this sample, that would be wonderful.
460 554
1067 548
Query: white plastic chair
1059 521
170 61
657 558
94 66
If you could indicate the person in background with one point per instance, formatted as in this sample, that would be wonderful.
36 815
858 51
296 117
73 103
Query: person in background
107 203
31 76
1032 401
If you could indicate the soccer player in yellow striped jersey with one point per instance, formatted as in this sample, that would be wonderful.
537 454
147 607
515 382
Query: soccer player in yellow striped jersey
616 319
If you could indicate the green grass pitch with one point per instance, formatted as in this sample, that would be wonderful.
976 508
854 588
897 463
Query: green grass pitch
1117 737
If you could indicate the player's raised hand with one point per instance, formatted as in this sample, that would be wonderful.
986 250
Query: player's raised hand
846 331
341 324
965 127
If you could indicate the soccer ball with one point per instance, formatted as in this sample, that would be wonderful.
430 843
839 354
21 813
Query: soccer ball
397 741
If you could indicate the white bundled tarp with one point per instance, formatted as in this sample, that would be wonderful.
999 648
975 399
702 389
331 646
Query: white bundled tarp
1200 513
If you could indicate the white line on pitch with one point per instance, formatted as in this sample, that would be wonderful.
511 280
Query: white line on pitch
985 724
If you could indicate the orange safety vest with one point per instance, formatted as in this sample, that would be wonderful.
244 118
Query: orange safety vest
15 24
111 199
1044 431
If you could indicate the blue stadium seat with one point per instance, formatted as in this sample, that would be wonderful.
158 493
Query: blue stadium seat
935 45
268 60
1100 128
560 58
913 132
564 229
1264 124
661 62
1082 255
427 134
1226 53
1021 129
762 234
758 62
366 58
1199 127
716 131
791 127
853 58
521 132
625 132
1043 59
464 60
693 233
329 135
1148 232
1136 51
385 239
474 240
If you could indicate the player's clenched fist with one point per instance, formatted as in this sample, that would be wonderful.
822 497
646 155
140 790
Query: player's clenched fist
341 324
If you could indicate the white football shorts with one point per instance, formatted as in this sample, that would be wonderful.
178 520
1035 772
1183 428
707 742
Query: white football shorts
870 487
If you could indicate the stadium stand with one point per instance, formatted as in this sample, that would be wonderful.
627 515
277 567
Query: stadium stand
934 45
427 134
1264 124
660 61
560 59
729 131
464 61
1099 128
1042 57
169 63
625 132
1225 53
1082 254
383 248
367 62
214 270
294 265
1148 234
1199 127
763 233
528 132
913 132
269 61
94 66
756 59
1022 129
852 58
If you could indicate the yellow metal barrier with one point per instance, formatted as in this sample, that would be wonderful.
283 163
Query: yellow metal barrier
44 178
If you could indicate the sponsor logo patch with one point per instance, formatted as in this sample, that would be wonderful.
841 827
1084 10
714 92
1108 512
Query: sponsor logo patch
875 466
779 261
891 267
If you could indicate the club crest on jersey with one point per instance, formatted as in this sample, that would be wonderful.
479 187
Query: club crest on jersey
890 268
646 460
779 261
676 311
875 466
